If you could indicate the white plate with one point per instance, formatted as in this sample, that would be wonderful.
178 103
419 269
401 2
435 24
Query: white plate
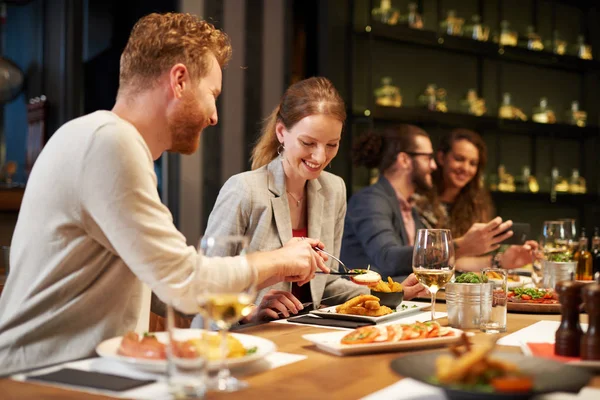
413 306
330 342
108 349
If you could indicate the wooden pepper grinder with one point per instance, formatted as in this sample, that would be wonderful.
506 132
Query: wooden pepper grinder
569 333
590 344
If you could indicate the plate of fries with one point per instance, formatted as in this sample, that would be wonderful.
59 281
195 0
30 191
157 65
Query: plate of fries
368 308
377 338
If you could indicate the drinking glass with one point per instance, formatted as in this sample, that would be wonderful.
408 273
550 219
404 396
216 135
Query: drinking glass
433 260
187 353
570 233
493 313
226 306
555 239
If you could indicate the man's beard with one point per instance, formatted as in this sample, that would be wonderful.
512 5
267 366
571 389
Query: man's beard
419 179
185 126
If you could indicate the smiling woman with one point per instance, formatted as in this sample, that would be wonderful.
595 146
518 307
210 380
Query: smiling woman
458 199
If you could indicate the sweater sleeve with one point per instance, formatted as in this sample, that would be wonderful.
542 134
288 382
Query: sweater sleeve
122 210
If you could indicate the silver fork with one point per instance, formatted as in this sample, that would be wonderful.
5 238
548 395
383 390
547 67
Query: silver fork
346 269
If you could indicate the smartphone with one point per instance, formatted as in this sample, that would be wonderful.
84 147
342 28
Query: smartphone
520 233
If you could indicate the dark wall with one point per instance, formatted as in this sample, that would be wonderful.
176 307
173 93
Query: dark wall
356 63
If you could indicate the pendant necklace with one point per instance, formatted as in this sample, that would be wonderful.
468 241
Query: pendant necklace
294 197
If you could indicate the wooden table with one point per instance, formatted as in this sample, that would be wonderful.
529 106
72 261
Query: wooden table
320 375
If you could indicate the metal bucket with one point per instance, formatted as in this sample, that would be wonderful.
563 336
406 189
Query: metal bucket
463 302
554 272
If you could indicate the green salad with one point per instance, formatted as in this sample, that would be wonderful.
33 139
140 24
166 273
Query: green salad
470 277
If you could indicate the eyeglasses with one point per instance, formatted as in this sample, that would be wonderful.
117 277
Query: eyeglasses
414 154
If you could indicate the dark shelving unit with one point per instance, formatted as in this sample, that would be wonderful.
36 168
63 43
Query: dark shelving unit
463 45
426 117
369 42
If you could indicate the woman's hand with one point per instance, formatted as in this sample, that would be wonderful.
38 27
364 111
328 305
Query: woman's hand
413 288
518 256
483 238
275 302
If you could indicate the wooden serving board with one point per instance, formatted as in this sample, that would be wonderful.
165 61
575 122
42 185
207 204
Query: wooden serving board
534 308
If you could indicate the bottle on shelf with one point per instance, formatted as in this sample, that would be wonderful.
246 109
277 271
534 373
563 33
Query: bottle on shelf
508 111
558 45
596 251
532 40
452 25
584 51
428 98
575 116
507 37
373 176
388 95
414 19
577 184
584 259
559 184
440 100
526 182
543 114
473 104
477 31
385 13
506 182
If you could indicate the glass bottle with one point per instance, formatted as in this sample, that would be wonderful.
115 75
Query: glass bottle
533 41
559 46
596 251
386 13
584 51
477 31
505 110
506 182
414 19
584 259
388 95
428 98
575 116
577 183
543 114
522 182
507 37
452 25
559 184
473 104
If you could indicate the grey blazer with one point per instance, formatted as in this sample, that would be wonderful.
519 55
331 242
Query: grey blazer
374 232
255 204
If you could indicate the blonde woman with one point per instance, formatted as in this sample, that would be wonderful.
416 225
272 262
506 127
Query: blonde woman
289 194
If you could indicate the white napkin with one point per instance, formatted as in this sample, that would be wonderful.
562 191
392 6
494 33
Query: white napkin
158 390
408 389
540 332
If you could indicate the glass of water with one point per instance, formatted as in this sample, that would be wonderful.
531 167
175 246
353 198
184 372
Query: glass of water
187 353
493 313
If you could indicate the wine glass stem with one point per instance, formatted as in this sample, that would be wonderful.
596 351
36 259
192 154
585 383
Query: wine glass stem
433 293
223 370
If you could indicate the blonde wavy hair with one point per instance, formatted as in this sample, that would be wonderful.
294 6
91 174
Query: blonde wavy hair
159 41
310 96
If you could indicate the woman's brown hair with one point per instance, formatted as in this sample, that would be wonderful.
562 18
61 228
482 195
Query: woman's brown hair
473 203
380 149
310 96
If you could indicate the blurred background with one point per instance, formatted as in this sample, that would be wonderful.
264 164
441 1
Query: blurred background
522 73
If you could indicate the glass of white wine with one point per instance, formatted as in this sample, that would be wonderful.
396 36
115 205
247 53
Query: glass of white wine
225 306
433 260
